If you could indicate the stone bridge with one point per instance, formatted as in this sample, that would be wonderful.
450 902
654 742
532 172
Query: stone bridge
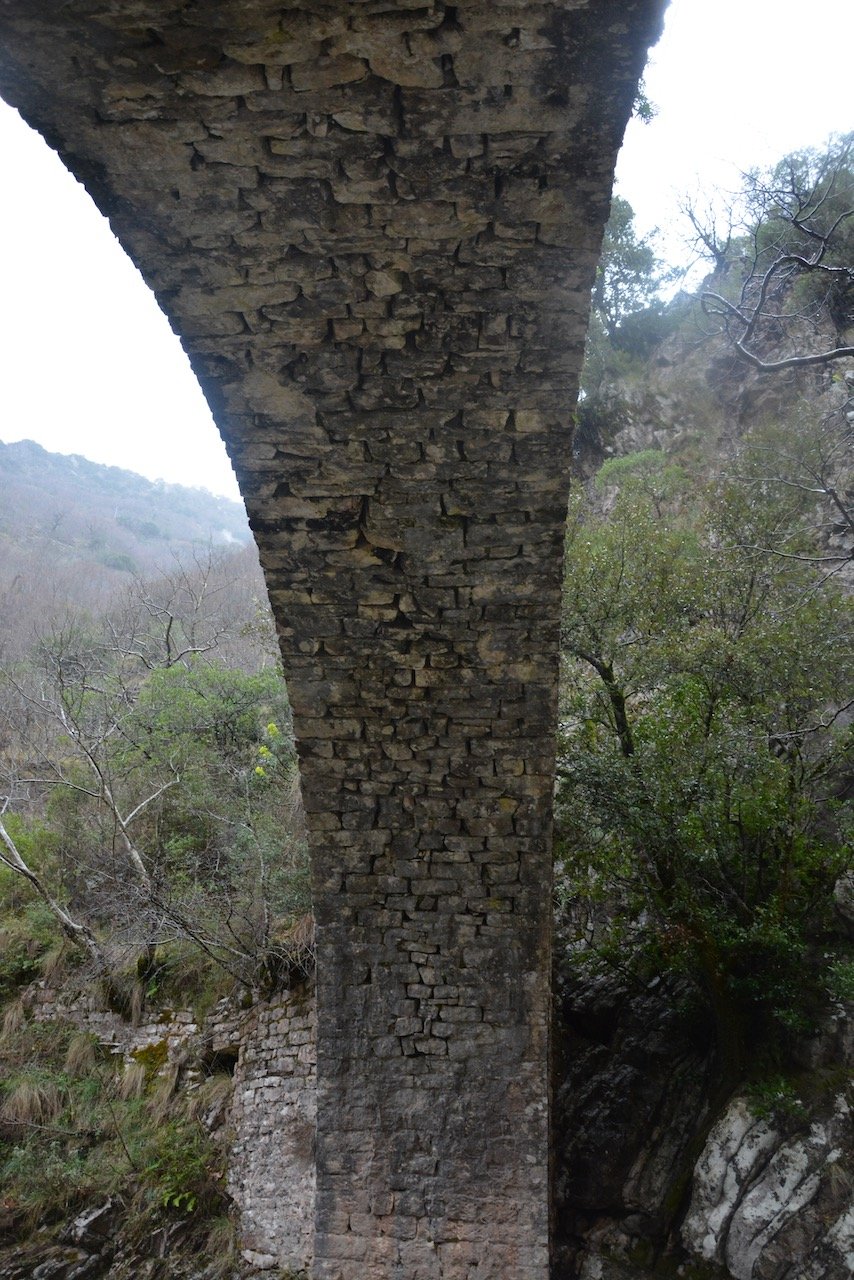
374 226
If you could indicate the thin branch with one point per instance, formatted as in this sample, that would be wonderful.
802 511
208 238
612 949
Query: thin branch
80 934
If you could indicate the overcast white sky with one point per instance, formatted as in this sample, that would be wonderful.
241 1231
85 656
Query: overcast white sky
89 365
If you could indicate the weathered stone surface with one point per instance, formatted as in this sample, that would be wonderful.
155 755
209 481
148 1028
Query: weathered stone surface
768 1205
273 1110
433 182
171 1031
633 1085
657 1172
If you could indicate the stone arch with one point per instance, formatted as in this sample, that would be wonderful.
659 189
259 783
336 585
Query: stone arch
374 226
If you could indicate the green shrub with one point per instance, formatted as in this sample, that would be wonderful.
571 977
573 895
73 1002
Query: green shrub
185 1168
776 1099
27 932
699 771
840 978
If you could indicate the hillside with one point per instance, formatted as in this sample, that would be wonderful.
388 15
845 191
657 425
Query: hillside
73 531
704 929
81 510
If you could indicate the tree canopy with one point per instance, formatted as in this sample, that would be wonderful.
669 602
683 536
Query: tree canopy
705 747
629 272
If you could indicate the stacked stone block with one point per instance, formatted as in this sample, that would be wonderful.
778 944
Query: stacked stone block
270 1118
172 1030
375 226
271 1159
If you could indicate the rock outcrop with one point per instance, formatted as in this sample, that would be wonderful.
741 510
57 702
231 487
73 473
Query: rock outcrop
770 1205
656 1177
632 1103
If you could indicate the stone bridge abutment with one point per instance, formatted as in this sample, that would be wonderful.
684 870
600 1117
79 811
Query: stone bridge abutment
374 226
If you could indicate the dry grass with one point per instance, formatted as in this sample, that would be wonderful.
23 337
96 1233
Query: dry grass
164 1092
13 1020
31 1103
133 1081
296 945
208 1100
221 1246
53 965
81 1055
137 1004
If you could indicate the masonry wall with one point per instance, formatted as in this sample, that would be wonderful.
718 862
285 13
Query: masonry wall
271 1158
375 226
174 1029
268 1126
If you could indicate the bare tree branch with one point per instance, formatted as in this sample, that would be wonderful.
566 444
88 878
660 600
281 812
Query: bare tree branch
79 934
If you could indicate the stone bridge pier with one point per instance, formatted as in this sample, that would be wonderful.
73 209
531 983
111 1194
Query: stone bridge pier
374 225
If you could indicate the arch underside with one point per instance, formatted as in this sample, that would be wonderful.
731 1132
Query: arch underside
374 227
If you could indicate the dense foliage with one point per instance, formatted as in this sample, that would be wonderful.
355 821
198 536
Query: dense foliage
629 272
149 791
701 810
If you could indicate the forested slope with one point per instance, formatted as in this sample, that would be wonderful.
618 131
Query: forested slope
73 531
705 972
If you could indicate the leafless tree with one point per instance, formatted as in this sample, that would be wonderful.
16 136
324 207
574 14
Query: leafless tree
713 231
795 262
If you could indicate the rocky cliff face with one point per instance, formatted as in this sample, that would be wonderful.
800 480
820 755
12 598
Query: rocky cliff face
768 1204
632 1100
693 398
657 1175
